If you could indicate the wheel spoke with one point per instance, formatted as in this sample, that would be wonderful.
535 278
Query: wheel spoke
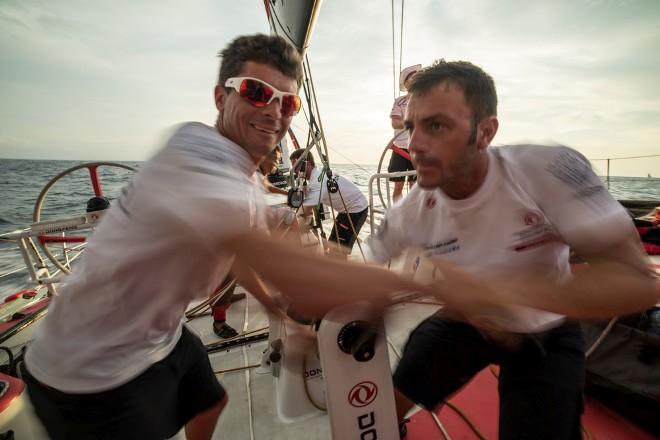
43 239
59 242
96 184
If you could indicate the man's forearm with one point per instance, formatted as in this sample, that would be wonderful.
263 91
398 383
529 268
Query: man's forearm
249 280
602 290
317 284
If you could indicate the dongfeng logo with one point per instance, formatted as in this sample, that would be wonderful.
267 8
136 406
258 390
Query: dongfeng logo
532 218
362 394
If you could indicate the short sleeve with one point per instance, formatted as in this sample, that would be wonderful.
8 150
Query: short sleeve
574 199
312 194
389 240
398 108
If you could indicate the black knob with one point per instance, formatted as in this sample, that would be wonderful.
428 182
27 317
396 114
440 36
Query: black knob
358 338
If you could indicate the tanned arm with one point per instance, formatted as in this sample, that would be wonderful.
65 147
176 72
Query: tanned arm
397 122
316 284
616 282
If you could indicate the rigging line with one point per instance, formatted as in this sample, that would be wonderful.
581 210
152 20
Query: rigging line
332 208
314 128
600 338
286 34
350 221
465 418
316 105
247 372
18 268
440 426
393 55
349 159
230 370
401 41
628 157
312 139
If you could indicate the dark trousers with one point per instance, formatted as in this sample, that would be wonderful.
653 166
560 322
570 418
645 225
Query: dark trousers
153 406
541 383
346 237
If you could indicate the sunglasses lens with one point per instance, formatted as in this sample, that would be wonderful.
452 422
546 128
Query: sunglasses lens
290 104
259 94
256 92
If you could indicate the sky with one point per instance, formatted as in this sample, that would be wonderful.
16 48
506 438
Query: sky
92 79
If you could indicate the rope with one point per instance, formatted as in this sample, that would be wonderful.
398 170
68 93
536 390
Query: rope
306 387
199 309
230 370
629 157
241 335
393 54
401 42
247 372
440 426
350 221
466 419
316 106
601 338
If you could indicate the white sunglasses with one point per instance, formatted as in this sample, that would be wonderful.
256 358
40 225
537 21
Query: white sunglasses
259 93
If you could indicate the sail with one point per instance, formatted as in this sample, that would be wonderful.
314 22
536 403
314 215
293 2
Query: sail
294 20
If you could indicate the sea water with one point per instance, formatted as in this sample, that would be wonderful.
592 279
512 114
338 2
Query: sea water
21 182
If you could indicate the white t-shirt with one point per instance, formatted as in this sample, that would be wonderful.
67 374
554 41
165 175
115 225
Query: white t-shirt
399 109
352 196
535 202
157 248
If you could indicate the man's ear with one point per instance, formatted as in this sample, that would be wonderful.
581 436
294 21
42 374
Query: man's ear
487 130
220 94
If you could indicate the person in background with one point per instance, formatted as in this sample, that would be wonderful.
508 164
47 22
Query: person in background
269 166
126 367
221 306
510 296
400 158
349 202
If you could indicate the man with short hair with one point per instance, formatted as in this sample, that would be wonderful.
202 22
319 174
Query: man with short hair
499 222
221 305
347 199
112 359
269 166
400 156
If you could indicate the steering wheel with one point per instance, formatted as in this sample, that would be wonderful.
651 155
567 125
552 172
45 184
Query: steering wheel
74 190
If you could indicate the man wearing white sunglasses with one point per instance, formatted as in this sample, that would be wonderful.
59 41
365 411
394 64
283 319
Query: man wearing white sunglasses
126 367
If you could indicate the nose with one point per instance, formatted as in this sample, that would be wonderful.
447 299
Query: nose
415 143
274 109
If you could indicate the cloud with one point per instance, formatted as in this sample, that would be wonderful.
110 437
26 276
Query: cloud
109 76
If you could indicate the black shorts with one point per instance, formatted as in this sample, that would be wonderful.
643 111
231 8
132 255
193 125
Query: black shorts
346 235
399 163
540 385
154 405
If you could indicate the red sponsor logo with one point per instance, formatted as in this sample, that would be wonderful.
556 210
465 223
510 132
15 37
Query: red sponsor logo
362 394
532 218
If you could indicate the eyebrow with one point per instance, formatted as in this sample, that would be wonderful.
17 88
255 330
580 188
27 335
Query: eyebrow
407 123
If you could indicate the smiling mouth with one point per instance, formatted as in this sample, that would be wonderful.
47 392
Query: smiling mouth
264 129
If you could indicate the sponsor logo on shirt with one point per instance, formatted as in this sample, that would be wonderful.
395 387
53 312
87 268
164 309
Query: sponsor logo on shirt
573 169
536 232
443 247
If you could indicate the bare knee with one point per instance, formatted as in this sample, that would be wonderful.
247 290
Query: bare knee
403 404
201 427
